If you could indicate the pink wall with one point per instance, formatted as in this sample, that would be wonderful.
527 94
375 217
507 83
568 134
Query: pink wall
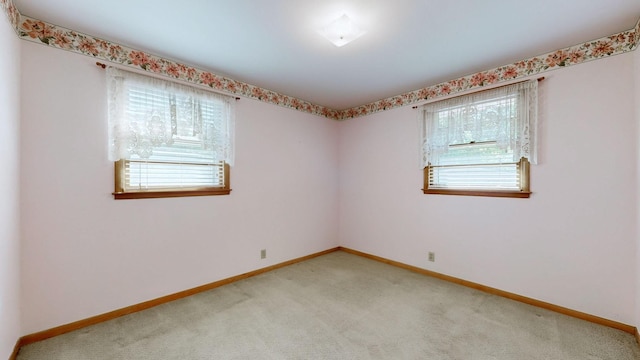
85 253
636 77
9 182
573 243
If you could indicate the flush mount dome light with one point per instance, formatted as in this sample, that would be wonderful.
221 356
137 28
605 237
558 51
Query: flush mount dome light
341 31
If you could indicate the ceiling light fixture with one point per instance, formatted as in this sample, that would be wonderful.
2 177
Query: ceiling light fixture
341 31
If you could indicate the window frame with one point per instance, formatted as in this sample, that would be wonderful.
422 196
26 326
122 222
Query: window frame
129 165
522 166
119 193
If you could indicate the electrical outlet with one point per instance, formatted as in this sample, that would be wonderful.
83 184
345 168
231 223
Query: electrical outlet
432 256
263 254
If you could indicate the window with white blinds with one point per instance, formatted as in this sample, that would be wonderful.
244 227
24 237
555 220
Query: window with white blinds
480 144
168 139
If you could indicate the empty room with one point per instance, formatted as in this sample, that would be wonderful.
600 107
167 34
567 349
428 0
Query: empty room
358 179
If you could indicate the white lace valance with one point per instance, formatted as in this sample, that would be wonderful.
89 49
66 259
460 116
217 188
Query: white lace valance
147 116
505 116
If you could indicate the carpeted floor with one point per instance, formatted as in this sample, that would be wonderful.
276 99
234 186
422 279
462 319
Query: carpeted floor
340 306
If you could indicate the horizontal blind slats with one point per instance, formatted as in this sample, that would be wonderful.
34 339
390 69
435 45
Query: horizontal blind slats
186 159
149 176
499 176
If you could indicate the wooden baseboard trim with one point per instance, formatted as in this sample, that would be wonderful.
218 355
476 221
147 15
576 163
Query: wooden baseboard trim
16 348
59 330
541 304
46 334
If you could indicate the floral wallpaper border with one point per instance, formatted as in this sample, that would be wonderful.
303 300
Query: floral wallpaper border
58 37
12 12
604 47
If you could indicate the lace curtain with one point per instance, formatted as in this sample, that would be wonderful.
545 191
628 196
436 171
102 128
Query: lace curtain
147 115
505 116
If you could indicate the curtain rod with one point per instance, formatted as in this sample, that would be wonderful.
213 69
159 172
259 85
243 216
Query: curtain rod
104 66
479 91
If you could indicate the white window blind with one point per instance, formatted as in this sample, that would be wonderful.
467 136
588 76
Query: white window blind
169 136
476 141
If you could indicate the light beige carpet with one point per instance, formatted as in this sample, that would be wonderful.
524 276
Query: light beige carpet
340 306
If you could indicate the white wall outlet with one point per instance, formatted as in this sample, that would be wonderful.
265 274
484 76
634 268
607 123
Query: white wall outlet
263 254
432 256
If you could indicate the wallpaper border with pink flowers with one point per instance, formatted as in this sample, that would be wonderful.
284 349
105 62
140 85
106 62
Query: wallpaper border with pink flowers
58 37
66 39
12 13
616 44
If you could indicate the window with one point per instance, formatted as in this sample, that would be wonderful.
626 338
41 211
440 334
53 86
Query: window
168 139
480 144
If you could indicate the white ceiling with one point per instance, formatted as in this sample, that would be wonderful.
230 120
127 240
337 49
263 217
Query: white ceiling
410 44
